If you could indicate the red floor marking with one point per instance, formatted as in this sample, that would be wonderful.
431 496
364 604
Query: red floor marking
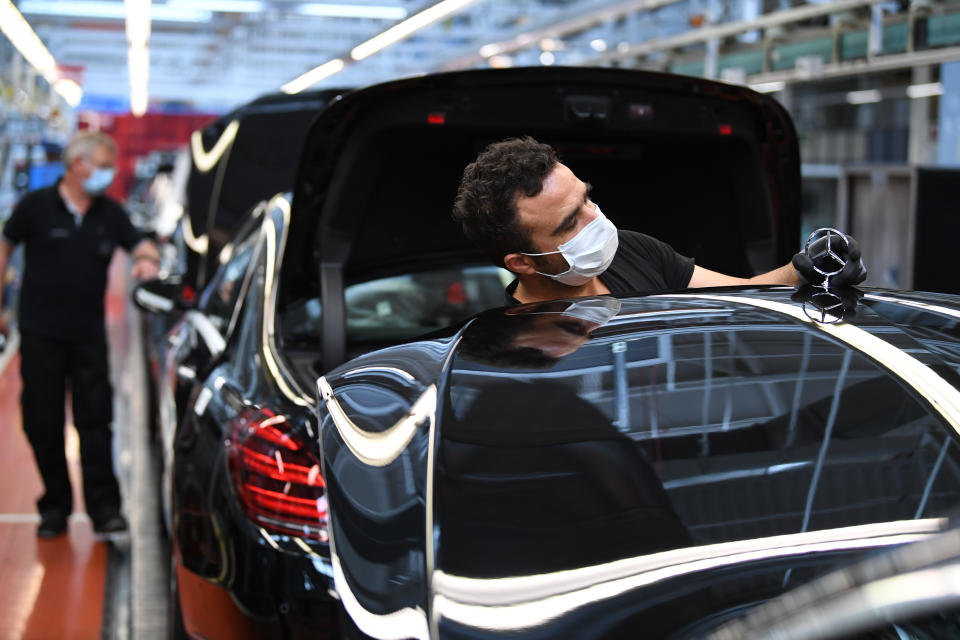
50 588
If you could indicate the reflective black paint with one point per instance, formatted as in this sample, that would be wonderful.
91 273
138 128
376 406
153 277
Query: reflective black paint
571 490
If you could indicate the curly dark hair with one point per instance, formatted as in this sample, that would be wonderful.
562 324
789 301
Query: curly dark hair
486 200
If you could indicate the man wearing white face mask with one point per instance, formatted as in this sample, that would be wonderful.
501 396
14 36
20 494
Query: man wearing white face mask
70 232
531 214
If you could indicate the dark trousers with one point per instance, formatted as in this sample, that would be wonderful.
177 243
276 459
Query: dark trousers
48 366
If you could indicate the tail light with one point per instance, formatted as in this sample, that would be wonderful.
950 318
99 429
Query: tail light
277 480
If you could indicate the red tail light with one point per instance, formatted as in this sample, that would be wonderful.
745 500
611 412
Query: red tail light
276 479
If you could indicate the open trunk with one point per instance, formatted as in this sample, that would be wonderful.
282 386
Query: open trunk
710 168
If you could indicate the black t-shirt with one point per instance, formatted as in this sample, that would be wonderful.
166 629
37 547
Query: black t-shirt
65 266
641 264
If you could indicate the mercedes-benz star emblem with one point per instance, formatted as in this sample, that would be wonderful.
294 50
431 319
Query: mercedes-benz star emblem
828 250
827 308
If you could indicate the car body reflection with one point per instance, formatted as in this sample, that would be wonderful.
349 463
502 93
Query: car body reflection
684 458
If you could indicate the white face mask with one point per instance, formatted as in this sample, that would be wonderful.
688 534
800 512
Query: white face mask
595 310
589 253
98 181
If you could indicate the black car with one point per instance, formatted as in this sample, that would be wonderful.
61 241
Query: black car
647 466
364 256
237 161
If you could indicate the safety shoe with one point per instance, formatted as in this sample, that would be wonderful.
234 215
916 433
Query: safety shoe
110 524
52 524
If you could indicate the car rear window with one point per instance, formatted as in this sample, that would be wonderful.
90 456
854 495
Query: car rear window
400 307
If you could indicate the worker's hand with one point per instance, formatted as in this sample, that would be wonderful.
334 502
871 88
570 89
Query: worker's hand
145 268
853 273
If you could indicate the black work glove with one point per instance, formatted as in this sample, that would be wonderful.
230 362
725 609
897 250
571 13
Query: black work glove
853 273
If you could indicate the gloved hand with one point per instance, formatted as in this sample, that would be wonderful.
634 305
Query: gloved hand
853 273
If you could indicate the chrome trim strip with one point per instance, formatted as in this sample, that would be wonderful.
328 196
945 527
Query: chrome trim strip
379 449
197 244
208 333
273 256
399 372
152 300
926 306
206 160
528 601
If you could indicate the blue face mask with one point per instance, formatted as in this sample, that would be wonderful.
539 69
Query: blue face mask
98 181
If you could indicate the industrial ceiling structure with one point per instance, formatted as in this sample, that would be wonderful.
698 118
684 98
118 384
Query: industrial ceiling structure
214 54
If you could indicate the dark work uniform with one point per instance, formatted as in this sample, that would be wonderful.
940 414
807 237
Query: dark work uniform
63 340
642 264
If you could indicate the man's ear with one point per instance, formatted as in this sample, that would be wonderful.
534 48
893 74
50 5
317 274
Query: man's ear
519 264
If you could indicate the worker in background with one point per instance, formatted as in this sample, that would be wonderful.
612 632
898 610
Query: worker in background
70 232
533 216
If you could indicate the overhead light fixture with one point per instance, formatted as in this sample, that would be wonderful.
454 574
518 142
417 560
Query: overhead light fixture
69 90
138 22
28 43
221 6
380 41
409 26
551 44
599 45
112 10
547 58
334 10
314 76
138 66
138 55
866 96
769 87
500 62
926 90
490 50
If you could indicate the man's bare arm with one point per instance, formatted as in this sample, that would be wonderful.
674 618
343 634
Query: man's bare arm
785 275
146 260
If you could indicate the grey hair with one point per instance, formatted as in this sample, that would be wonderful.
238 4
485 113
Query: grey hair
83 144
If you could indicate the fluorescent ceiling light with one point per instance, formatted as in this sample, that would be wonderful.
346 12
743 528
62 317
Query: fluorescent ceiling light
31 47
768 87
551 44
111 10
864 97
376 12
599 45
138 103
409 26
220 6
547 58
489 50
70 91
314 76
138 22
925 90
25 39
